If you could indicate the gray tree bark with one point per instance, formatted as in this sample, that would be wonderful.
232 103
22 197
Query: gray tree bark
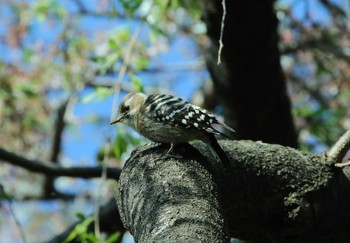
271 194
169 200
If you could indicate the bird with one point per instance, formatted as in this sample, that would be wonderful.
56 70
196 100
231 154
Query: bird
167 119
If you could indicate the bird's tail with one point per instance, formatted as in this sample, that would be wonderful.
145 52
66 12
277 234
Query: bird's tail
217 151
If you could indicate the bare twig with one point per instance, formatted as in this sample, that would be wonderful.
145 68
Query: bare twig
341 165
333 8
48 168
339 149
102 183
109 85
123 69
12 213
18 224
221 45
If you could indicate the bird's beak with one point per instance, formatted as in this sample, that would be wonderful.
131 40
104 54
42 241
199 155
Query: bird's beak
119 119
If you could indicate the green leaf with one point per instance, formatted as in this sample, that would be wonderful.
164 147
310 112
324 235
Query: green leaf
26 88
4 195
113 44
121 35
132 140
99 94
141 63
80 216
80 231
28 53
45 7
131 6
114 237
109 61
120 145
136 83
88 98
103 93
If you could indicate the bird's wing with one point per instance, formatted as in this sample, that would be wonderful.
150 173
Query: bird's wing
174 110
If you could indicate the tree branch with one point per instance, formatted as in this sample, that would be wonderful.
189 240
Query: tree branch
271 194
336 154
49 188
47 168
334 9
160 200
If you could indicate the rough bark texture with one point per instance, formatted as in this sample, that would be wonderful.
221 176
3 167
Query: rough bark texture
250 81
165 200
271 194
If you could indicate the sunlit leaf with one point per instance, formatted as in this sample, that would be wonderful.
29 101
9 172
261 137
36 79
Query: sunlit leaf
131 5
136 83
114 237
113 44
80 231
99 94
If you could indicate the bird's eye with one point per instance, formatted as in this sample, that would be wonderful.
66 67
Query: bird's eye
125 109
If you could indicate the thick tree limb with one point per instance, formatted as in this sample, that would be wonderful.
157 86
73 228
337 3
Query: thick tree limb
168 200
50 169
272 194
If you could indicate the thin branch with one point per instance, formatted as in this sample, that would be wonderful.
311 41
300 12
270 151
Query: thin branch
339 149
102 183
341 165
11 211
18 224
323 43
93 84
59 127
49 188
123 69
49 169
333 8
221 45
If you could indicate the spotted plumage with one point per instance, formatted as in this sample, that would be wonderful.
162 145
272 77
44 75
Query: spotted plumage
169 119
178 111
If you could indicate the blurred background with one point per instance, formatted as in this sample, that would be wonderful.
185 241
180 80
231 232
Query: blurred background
65 65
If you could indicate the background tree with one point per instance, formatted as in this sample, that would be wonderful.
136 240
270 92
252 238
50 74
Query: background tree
44 81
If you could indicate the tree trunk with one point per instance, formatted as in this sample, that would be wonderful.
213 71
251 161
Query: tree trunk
250 80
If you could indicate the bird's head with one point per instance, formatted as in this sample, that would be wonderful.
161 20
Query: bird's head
129 107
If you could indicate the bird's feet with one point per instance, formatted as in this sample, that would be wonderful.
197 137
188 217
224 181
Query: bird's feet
170 153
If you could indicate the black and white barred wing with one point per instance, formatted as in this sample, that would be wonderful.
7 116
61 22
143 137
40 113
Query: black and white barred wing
170 109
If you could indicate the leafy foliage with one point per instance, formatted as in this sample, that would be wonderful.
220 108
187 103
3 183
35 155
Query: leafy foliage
80 232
